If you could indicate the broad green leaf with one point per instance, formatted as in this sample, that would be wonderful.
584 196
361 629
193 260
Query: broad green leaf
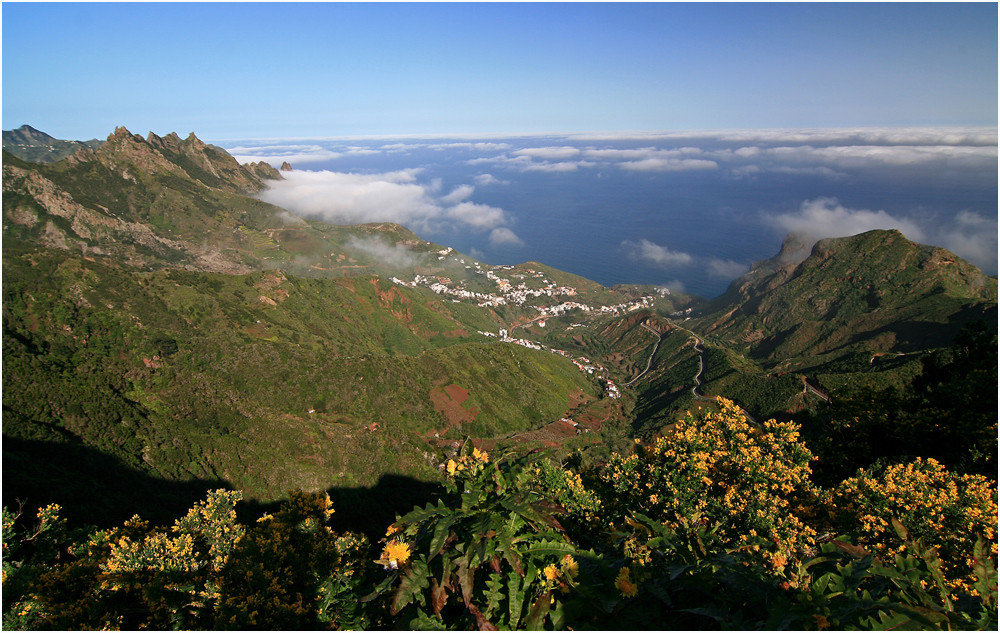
441 531
538 611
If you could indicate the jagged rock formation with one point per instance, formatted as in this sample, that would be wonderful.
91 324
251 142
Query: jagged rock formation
147 202
286 166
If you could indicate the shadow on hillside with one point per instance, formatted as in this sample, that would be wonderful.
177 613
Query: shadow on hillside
366 510
96 489
912 336
92 487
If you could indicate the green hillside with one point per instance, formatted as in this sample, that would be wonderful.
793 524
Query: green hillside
544 451
265 381
36 146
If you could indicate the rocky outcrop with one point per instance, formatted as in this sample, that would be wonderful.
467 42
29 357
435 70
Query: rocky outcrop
286 166
56 220
263 170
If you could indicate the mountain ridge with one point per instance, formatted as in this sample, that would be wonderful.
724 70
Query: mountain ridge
231 340
34 145
856 284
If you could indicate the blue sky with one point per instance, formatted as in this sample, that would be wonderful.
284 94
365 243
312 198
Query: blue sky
234 70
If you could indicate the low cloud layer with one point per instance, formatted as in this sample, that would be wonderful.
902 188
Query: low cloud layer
826 217
649 253
432 185
390 254
399 196
969 235
972 237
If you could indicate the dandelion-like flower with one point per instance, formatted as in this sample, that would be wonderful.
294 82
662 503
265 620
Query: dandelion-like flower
551 573
396 553
452 466
624 584
570 566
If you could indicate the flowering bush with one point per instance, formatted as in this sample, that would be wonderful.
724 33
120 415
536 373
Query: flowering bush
715 525
493 555
940 508
206 571
753 482
291 571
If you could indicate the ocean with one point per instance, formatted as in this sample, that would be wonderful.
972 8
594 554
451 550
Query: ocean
687 210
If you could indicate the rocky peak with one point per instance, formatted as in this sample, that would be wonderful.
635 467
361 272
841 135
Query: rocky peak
286 166
263 171
121 134
171 142
194 142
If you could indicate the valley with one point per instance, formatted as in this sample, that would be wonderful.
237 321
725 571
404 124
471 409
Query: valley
167 333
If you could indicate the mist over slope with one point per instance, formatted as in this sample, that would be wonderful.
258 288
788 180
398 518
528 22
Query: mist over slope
157 311
688 210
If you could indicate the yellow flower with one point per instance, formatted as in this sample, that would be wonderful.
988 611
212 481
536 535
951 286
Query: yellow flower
482 456
396 553
571 566
624 585
451 466
821 622
551 573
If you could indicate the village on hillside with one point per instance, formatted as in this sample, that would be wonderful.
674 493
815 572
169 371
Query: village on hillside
509 293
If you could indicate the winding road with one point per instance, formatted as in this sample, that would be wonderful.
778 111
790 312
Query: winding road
701 370
649 363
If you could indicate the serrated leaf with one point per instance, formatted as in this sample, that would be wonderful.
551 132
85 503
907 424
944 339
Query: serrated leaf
481 621
515 599
494 592
424 622
466 578
549 548
441 532
412 583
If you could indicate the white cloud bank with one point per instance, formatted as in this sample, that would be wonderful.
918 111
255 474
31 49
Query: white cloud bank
648 252
969 235
826 217
277 154
973 238
652 254
347 198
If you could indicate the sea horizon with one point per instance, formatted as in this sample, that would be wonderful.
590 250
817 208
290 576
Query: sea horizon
687 210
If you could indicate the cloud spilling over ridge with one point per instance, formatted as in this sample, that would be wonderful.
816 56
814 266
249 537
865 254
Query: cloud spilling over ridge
347 198
973 238
826 217
390 254
969 235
